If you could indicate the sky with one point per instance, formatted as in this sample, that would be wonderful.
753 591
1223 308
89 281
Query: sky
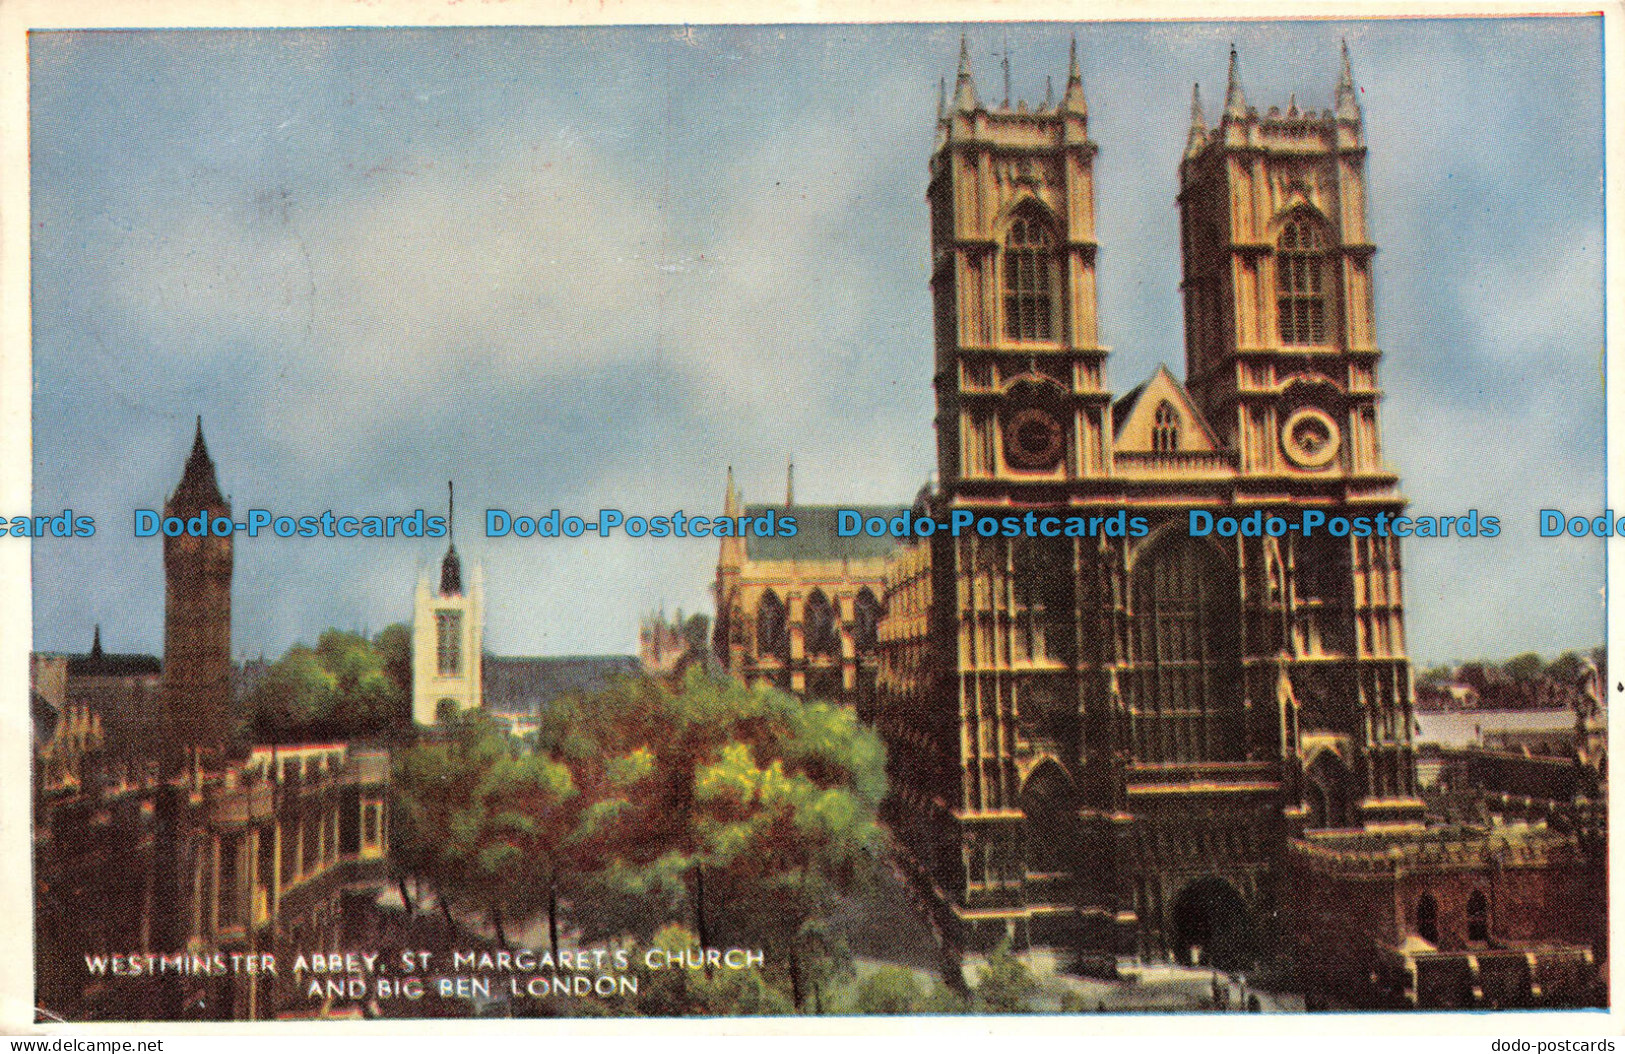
578 268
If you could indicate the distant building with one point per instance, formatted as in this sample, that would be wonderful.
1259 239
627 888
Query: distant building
1458 918
109 711
183 865
197 673
662 646
447 640
800 612
519 689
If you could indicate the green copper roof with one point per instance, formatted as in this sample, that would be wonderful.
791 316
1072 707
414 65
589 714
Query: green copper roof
815 537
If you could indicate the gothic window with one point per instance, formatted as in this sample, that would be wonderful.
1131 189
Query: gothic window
1301 285
1427 918
865 621
1165 430
1478 917
1029 274
448 634
771 637
818 626
1042 573
1184 670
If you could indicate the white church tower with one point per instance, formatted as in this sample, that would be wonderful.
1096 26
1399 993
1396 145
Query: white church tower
447 637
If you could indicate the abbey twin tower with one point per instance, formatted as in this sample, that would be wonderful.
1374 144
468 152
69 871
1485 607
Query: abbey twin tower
1108 742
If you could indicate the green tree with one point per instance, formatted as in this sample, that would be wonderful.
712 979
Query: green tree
341 689
1524 669
741 814
1004 985
1567 668
394 646
681 992
889 990
491 829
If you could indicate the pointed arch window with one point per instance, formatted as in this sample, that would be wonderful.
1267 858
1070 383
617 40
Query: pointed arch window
818 626
1302 290
1165 430
448 629
1183 681
865 621
1427 919
771 637
1029 281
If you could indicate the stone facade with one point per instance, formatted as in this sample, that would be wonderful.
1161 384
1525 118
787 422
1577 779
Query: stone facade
801 612
1105 742
197 684
447 640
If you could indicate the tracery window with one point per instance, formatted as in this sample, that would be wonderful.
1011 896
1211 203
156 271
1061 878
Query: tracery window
1301 286
1028 281
1165 430
1183 681
771 637
818 626
448 630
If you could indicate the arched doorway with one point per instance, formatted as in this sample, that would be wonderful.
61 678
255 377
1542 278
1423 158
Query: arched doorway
1047 801
1211 916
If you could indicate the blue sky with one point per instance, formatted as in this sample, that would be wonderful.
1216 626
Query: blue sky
584 267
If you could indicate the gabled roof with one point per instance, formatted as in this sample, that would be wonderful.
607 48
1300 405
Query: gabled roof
815 537
519 684
1134 415
112 664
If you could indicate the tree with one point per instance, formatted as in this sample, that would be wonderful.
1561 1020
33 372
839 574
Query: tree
889 990
682 992
740 814
394 646
1568 668
1524 669
489 828
341 689
1004 985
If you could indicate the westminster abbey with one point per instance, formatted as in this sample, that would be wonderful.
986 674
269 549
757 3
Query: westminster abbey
1151 745
1107 742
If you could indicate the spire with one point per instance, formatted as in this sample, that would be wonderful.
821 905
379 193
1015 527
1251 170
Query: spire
96 645
790 484
451 566
1049 93
1004 64
730 496
451 510
198 489
942 99
1073 99
1348 100
1235 102
965 87
1292 105
1198 133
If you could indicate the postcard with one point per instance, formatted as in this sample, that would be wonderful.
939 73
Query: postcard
1042 519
